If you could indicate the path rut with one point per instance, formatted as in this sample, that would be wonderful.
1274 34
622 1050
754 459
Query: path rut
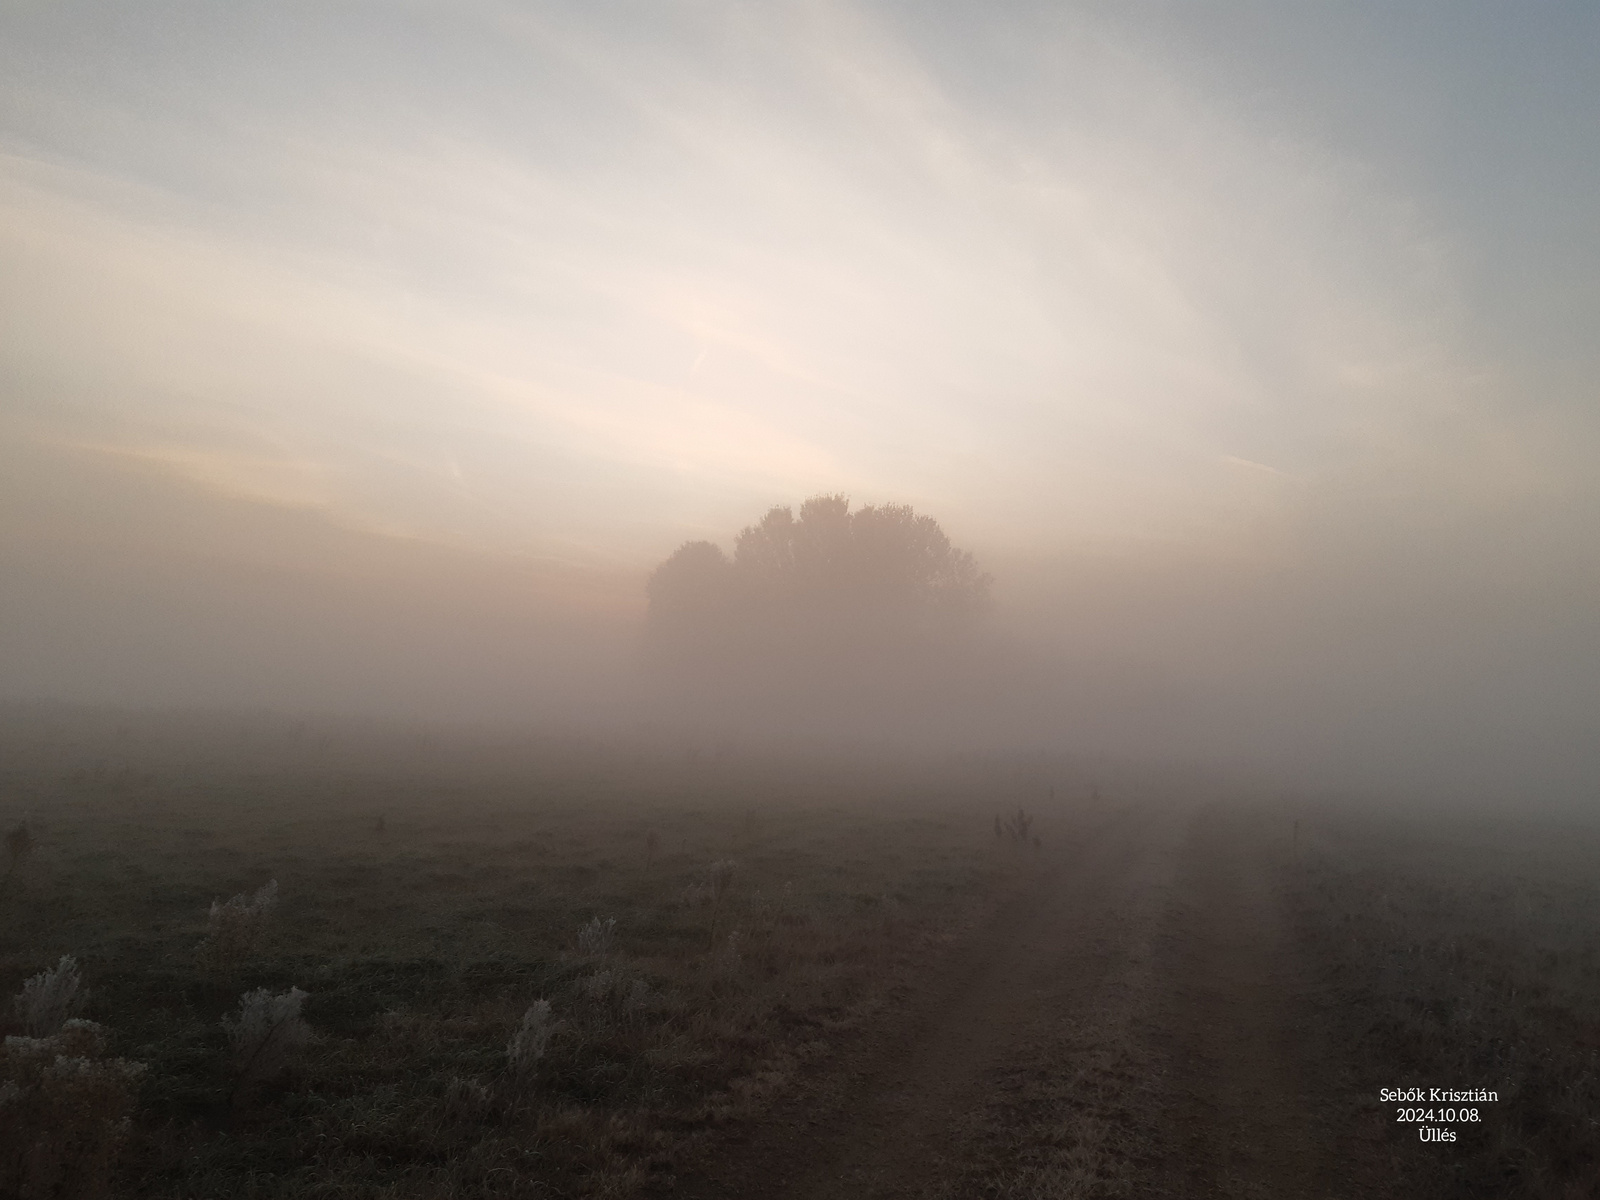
1131 1023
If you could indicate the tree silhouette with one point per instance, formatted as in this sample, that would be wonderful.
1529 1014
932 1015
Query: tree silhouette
694 587
825 580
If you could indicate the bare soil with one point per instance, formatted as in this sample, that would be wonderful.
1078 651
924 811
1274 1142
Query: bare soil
1238 1029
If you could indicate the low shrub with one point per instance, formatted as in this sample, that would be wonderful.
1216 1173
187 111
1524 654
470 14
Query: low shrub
265 1035
530 1042
237 928
50 998
64 1111
595 938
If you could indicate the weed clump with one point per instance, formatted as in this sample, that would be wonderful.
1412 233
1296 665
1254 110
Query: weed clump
529 1043
596 937
64 1111
615 994
237 928
264 1035
1018 827
599 985
50 998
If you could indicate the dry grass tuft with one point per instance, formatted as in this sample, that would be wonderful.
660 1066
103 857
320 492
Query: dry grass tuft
265 1035
530 1042
64 1111
236 929
596 938
49 998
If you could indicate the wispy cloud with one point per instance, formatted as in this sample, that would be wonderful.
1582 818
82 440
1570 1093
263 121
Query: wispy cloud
755 256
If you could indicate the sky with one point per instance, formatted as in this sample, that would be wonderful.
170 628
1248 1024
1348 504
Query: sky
367 356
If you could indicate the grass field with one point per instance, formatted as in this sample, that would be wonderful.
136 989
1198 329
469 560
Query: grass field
428 900
1463 951
550 968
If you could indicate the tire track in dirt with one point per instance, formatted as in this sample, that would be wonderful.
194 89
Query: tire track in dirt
1232 1023
900 1118
1134 1023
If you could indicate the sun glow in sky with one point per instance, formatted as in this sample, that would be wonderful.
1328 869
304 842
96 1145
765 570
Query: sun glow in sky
562 285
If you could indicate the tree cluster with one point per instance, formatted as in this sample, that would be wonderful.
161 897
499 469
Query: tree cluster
825 580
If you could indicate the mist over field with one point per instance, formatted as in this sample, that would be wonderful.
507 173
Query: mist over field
366 363
799 600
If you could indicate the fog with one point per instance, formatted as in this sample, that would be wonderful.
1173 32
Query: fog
366 363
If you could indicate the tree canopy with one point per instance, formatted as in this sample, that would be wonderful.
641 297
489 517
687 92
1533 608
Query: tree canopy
825 577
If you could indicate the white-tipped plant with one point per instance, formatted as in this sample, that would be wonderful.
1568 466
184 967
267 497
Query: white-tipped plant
64 1111
265 1035
50 998
237 927
614 993
596 937
529 1043
598 986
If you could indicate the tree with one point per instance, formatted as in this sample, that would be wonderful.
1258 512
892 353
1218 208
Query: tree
827 579
691 588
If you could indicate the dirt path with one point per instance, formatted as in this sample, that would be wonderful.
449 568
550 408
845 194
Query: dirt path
1130 1024
912 1129
1233 1024
897 1113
